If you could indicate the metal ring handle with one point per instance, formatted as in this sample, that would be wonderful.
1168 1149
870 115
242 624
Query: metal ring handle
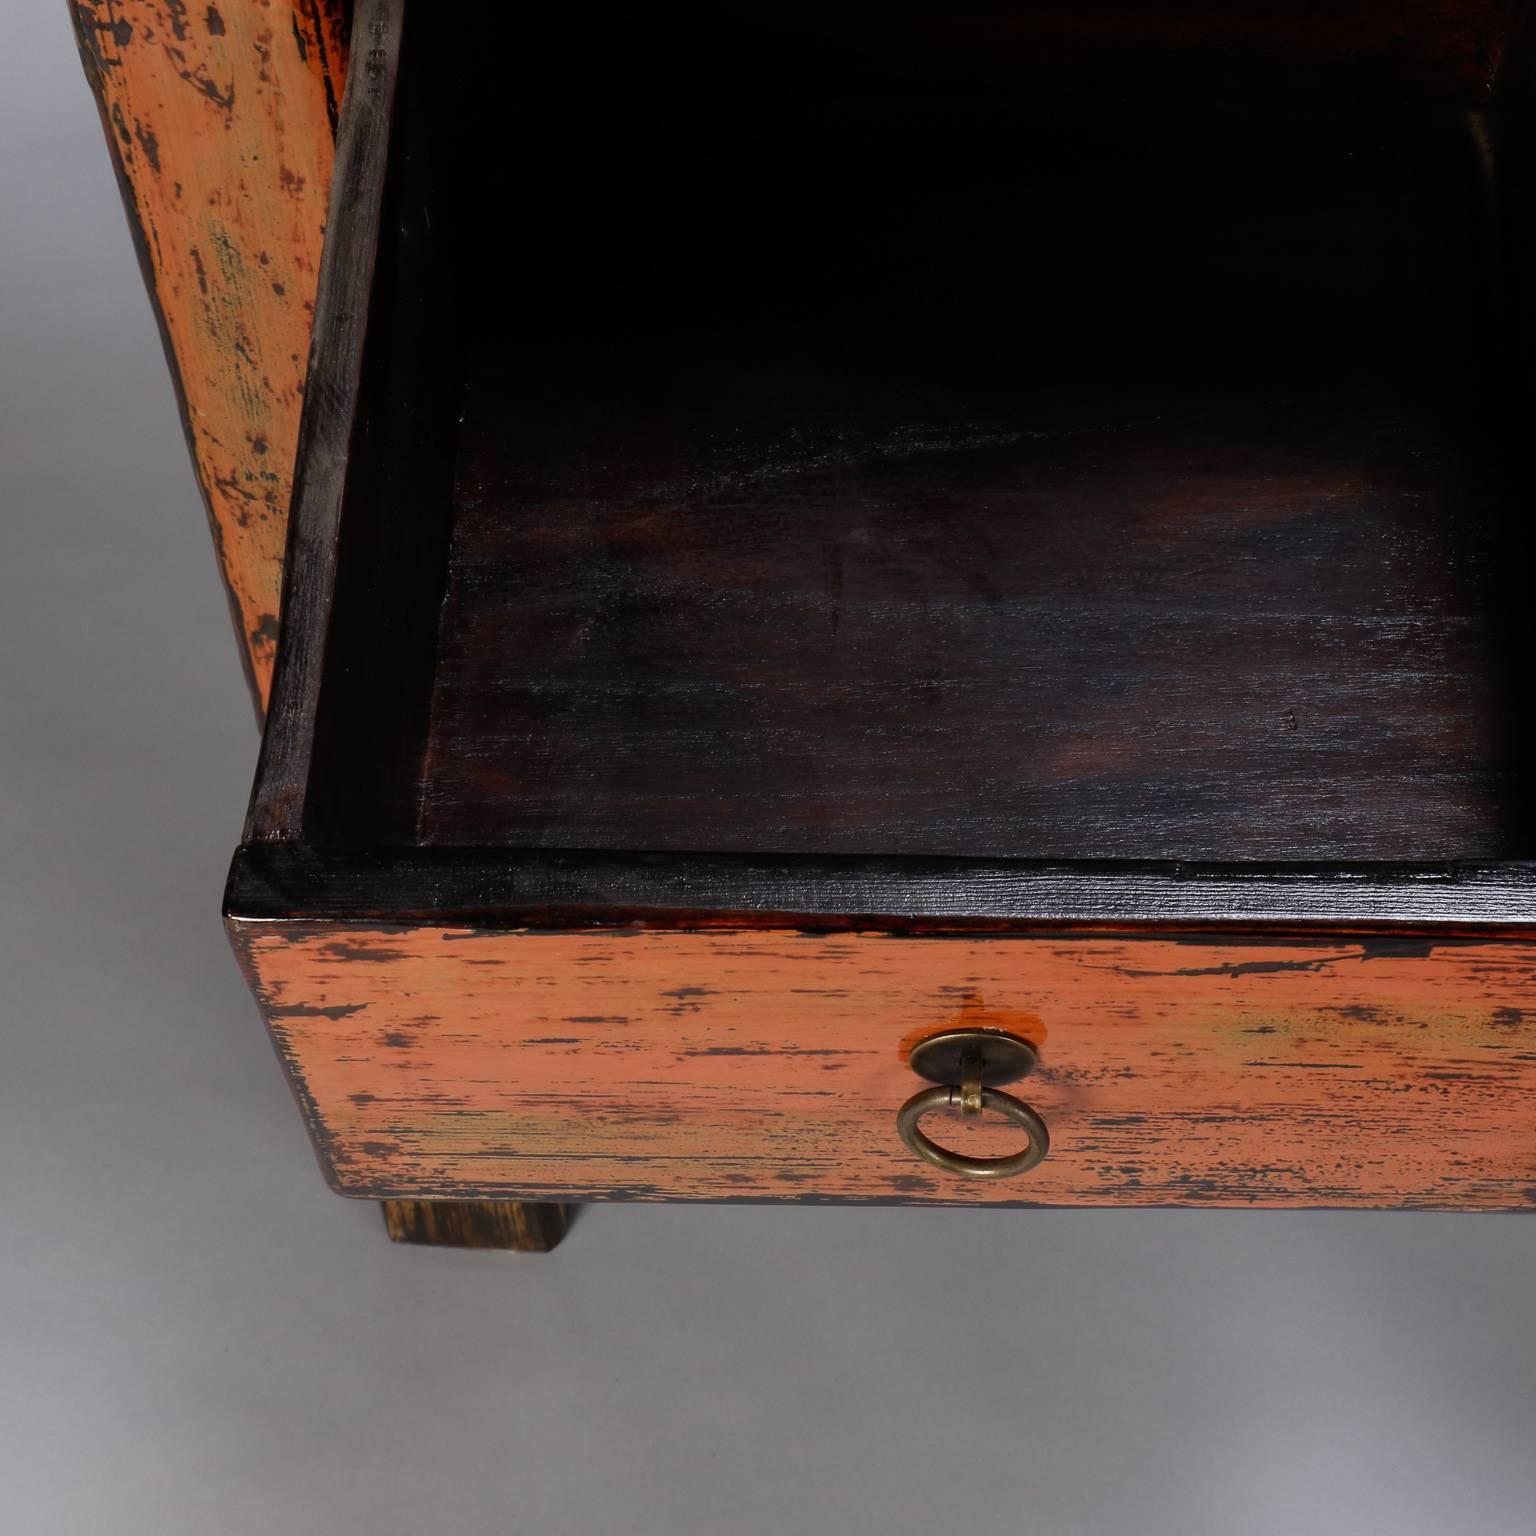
950 1094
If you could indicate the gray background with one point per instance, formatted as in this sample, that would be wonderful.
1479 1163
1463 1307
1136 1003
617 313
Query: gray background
196 1337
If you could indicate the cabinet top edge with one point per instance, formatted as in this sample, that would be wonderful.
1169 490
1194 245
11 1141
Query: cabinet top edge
494 888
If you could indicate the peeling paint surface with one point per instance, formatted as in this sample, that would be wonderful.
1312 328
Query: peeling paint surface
222 122
770 1065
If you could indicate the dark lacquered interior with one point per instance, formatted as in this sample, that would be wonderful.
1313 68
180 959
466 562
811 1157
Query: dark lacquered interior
857 462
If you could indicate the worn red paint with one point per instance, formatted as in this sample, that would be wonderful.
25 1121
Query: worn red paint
221 122
770 1065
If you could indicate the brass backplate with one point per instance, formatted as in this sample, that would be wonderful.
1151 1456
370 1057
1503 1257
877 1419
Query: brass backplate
1003 1058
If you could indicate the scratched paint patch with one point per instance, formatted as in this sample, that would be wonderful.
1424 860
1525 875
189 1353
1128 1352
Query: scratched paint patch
221 119
695 1065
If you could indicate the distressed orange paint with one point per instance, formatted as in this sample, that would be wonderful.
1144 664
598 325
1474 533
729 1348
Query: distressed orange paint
770 1065
221 120
975 1013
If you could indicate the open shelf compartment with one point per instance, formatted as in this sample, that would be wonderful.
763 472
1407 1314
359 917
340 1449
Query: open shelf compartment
916 461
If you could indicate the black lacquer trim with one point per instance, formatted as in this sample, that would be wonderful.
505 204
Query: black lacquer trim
329 421
542 888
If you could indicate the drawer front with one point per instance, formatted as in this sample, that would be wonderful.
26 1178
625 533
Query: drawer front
771 1065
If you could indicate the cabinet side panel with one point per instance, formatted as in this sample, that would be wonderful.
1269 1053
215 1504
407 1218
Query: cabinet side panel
770 1065
221 121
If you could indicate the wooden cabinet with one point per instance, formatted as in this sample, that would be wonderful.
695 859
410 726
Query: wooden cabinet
843 527
750 1064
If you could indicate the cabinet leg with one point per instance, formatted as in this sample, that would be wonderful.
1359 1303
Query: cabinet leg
511 1225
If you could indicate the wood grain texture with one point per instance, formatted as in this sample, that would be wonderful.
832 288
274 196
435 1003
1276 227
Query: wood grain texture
511 1226
770 1065
1151 512
786 623
345 308
1208 555
518 888
221 120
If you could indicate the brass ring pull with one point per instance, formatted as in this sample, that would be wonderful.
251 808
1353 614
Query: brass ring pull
957 1162
978 1058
